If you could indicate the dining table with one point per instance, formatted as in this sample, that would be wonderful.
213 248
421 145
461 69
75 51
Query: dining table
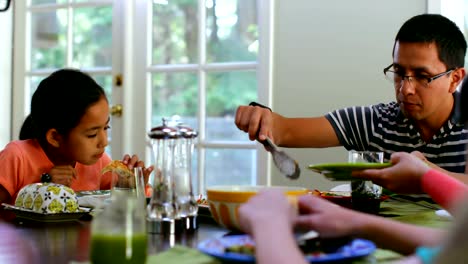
69 242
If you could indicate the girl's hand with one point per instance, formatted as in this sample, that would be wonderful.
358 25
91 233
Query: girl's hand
63 174
328 219
134 161
267 206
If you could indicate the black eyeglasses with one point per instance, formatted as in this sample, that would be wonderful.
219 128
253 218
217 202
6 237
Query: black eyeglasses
397 78
4 5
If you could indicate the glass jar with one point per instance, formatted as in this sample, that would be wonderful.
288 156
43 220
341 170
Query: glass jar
186 202
163 206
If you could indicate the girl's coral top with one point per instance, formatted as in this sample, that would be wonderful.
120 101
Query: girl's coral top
24 161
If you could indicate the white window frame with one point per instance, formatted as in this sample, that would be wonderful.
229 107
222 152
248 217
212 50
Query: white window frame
453 9
21 69
130 19
138 73
6 48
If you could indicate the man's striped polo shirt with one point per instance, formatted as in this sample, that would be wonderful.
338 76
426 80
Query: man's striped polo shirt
383 127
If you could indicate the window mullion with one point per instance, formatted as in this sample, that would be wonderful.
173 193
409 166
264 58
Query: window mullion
69 60
201 93
21 55
265 78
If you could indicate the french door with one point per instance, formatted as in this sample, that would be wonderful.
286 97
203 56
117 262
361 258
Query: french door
53 34
195 59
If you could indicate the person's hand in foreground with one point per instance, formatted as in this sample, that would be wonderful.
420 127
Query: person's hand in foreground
268 213
333 221
403 177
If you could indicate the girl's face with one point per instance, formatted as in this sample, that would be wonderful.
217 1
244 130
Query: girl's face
86 142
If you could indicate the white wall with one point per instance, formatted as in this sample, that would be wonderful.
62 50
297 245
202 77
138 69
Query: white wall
330 54
5 76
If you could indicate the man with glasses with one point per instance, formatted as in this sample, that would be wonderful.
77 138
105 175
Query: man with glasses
428 65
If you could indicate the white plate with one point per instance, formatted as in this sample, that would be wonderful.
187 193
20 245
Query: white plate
93 199
342 188
444 214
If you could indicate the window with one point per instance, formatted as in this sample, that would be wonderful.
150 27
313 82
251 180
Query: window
455 10
198 59
201 73
57 34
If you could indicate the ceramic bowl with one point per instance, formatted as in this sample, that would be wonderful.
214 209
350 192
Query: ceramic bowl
47 198
224 201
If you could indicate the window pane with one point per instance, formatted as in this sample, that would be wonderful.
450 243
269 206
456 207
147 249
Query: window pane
231 30
48 39
175 94
225 92
83 1
92 37
39 2
34 83
230 167
105 81
175 32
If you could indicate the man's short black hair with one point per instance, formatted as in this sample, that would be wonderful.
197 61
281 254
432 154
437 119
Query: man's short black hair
433 28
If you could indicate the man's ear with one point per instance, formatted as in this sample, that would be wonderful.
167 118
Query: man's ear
457 77
53 137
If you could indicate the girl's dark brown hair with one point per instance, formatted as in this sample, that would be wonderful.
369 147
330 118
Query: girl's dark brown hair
59 102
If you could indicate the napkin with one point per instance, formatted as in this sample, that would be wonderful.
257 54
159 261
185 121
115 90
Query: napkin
182 255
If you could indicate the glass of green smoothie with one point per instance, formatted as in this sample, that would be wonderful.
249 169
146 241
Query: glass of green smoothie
119 231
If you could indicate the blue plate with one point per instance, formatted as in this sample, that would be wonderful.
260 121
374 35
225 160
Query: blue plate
215 247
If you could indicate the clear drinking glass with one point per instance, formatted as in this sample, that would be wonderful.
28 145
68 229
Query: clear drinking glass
118 233
125 181
365 194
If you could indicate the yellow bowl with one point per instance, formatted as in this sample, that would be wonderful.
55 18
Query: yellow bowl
224 201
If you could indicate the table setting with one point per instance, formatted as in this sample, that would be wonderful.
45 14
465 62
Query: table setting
172 226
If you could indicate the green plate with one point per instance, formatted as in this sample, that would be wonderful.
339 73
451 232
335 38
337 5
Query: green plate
342 171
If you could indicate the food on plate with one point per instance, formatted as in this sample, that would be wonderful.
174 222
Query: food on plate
202 200
368 204
119 167
247 249
47 198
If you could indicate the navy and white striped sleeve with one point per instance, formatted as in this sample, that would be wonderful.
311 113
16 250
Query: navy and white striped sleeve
352 125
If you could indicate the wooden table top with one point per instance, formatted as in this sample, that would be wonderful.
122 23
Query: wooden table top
69 242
